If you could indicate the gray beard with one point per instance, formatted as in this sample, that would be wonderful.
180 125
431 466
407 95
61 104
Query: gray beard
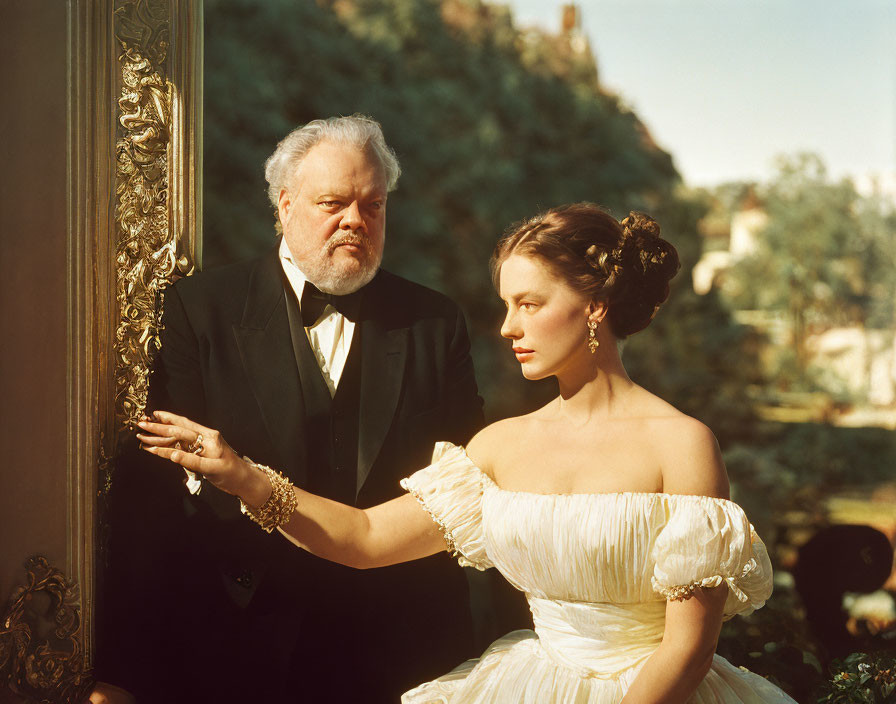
328 279
339 284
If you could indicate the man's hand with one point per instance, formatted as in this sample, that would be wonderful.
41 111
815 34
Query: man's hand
204 451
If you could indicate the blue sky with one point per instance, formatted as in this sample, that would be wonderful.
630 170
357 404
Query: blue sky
725 85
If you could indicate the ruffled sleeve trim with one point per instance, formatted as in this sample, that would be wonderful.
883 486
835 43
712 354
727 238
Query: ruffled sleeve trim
450 491
705 544
682 592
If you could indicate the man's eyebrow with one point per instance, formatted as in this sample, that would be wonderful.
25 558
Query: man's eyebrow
336 195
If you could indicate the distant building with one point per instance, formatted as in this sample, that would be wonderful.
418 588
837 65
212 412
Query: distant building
881 185
566 54
857 362
706 272
746 226
743 237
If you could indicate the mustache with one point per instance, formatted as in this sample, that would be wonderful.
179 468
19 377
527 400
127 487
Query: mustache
347 238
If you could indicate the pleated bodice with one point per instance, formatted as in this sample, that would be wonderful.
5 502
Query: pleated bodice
597 570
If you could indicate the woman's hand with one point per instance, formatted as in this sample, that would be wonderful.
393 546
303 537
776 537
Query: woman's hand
396 531
204 451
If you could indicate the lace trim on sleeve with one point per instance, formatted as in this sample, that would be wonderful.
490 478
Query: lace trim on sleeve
682 592
450 540
450 491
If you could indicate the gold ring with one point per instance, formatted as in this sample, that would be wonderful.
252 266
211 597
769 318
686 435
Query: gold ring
196 447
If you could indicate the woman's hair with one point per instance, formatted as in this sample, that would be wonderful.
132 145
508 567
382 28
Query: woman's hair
627 265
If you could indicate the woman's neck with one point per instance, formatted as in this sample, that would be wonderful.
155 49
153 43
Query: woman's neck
596 388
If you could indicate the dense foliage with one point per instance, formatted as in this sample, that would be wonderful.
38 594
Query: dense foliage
862 678
825 258
490 127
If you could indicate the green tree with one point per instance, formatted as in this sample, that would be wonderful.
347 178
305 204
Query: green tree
824 259
487 133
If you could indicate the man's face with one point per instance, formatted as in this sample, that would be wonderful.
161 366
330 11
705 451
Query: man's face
334 216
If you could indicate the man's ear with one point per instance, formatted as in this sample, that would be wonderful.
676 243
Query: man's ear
597 311
284 205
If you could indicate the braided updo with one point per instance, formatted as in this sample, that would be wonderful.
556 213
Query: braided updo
627 265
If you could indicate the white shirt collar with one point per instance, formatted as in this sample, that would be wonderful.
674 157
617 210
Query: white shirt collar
331 336
294 275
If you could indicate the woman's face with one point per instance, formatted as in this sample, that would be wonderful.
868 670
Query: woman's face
546 320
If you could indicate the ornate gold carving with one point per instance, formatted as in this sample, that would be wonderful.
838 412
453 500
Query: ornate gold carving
40 651
148 252
144 25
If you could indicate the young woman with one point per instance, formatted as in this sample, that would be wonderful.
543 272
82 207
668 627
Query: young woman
607 507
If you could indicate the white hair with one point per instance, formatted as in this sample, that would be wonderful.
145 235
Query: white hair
358 130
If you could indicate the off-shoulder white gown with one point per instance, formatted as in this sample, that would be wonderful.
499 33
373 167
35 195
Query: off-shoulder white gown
597 570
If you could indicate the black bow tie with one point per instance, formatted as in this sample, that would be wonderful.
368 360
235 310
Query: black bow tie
314 301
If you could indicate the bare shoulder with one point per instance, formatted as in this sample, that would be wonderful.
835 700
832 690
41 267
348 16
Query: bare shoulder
690 457
489 445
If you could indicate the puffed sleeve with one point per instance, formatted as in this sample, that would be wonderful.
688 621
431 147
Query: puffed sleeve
450 490
708 541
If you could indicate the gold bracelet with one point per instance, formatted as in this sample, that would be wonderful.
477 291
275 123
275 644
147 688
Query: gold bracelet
279 507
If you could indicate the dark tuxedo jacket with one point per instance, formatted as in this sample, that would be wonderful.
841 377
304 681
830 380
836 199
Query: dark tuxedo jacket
201 604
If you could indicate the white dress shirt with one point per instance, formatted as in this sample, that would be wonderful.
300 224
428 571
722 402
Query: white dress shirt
331 335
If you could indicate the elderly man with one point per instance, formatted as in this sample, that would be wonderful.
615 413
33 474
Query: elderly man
315 361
